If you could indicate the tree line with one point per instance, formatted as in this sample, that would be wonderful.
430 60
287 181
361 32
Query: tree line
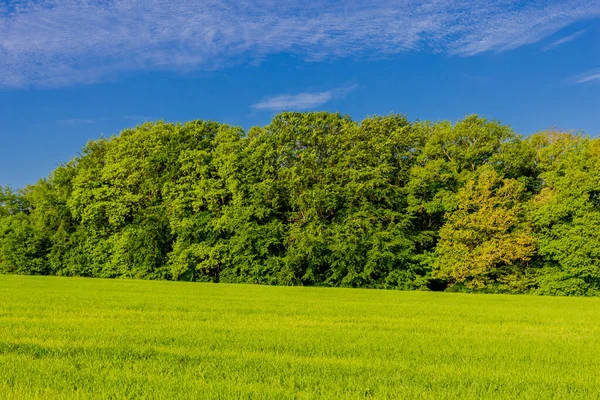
319 199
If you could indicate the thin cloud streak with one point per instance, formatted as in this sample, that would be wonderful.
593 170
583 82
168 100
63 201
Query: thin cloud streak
588 77
301 101
564 40
53 43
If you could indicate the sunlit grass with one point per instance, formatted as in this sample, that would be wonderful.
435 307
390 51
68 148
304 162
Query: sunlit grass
92 338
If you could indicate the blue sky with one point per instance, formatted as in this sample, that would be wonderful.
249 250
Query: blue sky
71 71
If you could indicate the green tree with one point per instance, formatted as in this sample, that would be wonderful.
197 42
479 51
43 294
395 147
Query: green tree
449 156
566 214
318 199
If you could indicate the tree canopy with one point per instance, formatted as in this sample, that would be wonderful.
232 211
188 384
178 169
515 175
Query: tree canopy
319 199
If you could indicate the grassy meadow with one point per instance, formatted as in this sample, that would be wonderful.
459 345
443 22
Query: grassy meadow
117 339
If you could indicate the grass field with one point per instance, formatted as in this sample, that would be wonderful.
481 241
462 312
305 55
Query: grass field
84 338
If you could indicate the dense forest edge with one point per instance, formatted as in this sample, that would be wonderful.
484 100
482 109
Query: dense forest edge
319 199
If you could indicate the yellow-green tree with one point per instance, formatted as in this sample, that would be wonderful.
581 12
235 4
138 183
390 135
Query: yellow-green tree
485 241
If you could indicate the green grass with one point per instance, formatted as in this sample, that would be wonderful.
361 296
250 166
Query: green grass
93 338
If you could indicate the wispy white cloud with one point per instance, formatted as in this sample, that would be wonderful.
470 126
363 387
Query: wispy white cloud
301 101
564 40
587 77
64 42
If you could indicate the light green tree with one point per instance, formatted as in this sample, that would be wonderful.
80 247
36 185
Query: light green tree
486 240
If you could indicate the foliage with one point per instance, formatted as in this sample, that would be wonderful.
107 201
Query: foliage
318 199
566 216
485 240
